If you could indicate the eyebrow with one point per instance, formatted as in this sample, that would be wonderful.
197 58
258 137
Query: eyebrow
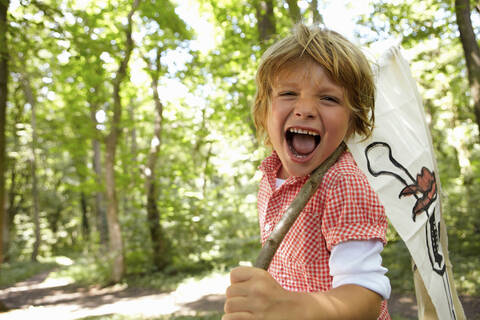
279 84
324 87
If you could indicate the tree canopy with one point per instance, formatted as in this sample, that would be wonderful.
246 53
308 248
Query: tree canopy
126 130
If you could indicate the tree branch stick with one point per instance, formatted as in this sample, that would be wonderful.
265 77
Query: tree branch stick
293 211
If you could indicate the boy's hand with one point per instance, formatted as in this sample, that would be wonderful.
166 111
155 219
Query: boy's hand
254 294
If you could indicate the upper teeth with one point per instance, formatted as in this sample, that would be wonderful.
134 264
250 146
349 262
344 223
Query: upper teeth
302 131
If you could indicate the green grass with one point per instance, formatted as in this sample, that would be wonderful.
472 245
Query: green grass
88 270
13 272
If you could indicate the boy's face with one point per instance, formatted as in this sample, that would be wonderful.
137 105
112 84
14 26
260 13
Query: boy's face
308 117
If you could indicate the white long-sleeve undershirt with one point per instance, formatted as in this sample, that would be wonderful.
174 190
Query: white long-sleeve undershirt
359 262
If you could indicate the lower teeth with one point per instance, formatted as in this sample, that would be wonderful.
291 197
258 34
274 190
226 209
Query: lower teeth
301 156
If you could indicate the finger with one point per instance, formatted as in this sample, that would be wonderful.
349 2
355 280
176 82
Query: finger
240 274
238 289
238 316
236 304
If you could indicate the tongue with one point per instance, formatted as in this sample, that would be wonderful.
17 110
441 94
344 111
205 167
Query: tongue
303 143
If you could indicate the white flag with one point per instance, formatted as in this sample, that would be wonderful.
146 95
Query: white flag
400 164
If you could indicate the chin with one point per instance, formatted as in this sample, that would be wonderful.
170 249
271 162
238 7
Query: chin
298 172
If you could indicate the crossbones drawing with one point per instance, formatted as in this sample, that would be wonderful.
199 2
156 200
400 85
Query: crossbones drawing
380 161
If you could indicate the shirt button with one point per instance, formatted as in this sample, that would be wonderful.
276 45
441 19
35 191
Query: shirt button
268 226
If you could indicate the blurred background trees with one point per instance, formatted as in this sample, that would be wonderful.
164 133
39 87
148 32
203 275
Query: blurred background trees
128 137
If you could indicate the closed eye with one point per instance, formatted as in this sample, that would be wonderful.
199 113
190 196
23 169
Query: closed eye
331 99
287 93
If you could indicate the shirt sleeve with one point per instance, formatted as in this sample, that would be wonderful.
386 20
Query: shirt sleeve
352 211
359 263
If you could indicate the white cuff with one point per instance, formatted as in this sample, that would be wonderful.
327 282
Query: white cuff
360 263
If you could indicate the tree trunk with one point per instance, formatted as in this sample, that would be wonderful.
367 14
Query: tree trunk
10 212
13 208
317 17
471 51
114 230
205 171
129 166
159 241
294 11
14 199
27 89
100 212
133 132
265 20
3 115
85 222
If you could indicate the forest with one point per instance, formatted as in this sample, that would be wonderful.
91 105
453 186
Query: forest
127 143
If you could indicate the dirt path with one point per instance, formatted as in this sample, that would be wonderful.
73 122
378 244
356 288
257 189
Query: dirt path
43 298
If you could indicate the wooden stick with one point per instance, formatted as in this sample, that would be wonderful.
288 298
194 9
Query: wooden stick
293 211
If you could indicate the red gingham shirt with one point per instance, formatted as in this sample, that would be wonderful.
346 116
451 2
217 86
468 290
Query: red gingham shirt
345 207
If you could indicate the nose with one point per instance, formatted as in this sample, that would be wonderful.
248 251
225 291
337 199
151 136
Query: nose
304 109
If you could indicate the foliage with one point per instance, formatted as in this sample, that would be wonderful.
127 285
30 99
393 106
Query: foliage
206 172
87 270
13 272
90 270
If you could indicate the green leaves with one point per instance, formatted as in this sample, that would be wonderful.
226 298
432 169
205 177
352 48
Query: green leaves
206 168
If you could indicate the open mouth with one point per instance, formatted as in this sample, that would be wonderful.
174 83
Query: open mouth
302 142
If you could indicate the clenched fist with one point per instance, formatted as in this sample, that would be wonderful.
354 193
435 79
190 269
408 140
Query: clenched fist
254 294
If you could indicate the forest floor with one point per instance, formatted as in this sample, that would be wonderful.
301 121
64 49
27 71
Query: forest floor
41 297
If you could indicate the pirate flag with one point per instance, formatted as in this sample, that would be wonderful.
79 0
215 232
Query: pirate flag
400 164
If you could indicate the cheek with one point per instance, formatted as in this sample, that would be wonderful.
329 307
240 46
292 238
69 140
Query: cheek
279 110
275 122
272 117
339 122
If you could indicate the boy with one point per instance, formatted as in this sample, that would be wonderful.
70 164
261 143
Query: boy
314 90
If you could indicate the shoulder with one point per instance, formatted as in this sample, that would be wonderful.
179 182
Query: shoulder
345 180
345 169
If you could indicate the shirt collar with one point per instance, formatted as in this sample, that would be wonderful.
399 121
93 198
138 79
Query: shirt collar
270 167
271 164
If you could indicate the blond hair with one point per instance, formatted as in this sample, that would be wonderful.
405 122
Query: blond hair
344 62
